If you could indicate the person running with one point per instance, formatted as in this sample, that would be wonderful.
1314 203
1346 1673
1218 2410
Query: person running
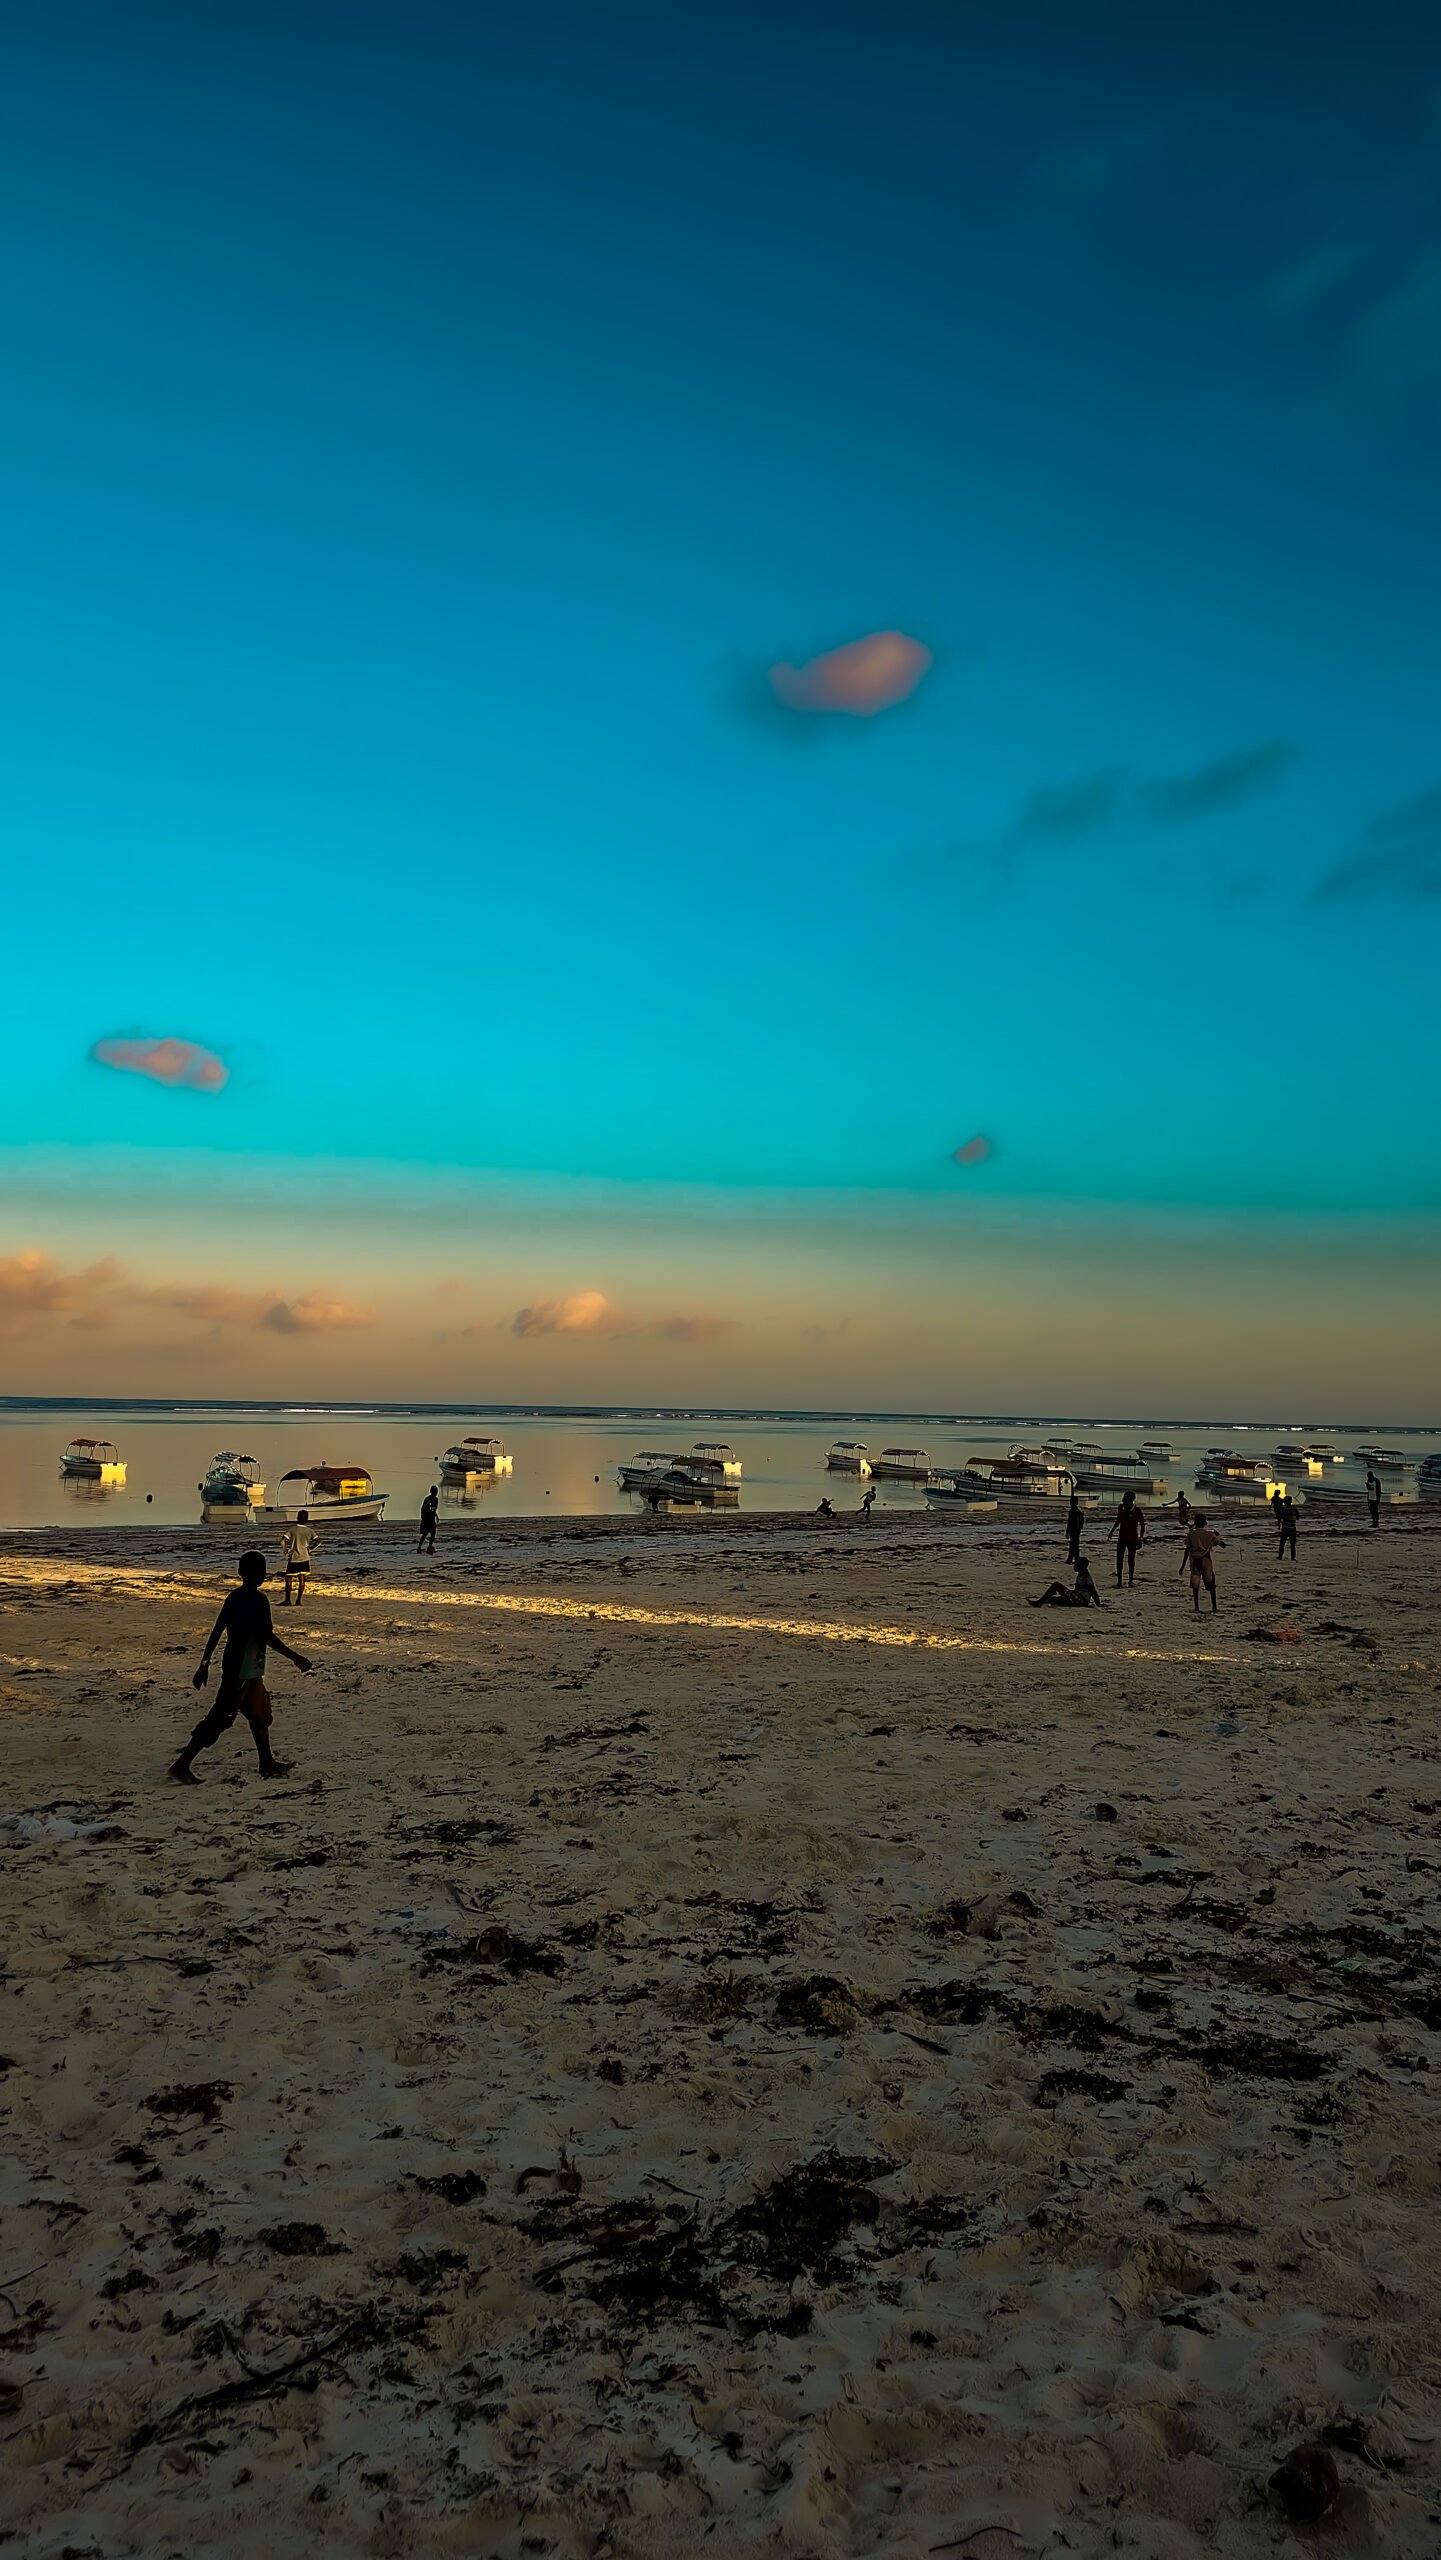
1082 1595
1373 1496
429 1519
868 1502
1200 1547
1128 1529
1183 1510
300 1544
1075 1523
249 1631
1286 1524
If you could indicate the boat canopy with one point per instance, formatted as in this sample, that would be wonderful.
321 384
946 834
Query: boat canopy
104 1450
332 1479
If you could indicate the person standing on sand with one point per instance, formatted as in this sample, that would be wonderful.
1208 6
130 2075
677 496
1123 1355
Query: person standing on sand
1075 1523
249 1632
1286 1523
300 1544
1276 1501
429 1518
1373 1496
1128 1529
1183 1510
868 1502
1201 1544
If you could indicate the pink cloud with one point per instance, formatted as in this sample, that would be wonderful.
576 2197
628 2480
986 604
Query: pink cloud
179 1063
861 678
314 1315
579 1313
975 1151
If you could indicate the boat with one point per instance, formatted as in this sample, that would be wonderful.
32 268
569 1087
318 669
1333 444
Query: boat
646 1463
1028 1475
1289 1453
849 1457
1320 1453
960 1490
1118 1472
480 1455
1226 1476
1157 1453
230 1485
904 1466
1385 1461
718 1456
1428 1478
326 1493
686 1484
1394 1497
97 1460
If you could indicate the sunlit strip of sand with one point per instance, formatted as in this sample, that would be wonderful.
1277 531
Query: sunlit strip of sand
629 1613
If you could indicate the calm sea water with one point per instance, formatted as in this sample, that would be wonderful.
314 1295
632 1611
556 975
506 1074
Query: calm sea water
563 1463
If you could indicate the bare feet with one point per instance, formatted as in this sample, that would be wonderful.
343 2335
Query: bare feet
275 1768
182 1773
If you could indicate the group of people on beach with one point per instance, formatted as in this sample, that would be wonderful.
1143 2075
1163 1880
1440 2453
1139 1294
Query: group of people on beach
1198 1553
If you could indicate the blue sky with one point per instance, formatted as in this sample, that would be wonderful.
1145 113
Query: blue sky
427 427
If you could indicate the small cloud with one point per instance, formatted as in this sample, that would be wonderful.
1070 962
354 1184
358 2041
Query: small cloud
314 1315
698 1328
1399 855
579 1313
859 679
34 1289
1223 784
975 1151
1069 808
182 1064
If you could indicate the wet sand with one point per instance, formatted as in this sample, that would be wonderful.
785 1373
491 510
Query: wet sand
735 2035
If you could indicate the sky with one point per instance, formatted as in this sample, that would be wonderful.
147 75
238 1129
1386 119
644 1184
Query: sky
723 704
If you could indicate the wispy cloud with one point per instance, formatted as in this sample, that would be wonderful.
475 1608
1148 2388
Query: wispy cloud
581 1312
859 679
589 1311
314 1315
1227 782
182 1064
1086 805
36 1290
1064 809
1399 855
976 1150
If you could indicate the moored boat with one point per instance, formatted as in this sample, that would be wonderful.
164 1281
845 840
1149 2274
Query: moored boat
903 1466
97 1460
1428 1478
1393 1462
326 1493
231 1484
960 1490
687 1484
849 1457
646 1463
718 1456
1117 1472
480 1455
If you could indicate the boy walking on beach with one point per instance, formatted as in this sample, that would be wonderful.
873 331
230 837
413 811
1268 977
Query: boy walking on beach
249 1632
1201 1544
300 1544
429 1519
1128 1529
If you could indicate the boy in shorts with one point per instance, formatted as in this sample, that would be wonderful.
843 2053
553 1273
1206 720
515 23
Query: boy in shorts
249 1632
300 1545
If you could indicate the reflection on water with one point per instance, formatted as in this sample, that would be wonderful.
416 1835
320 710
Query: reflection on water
568 1464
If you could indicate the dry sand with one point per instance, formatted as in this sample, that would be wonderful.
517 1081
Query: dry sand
644 2086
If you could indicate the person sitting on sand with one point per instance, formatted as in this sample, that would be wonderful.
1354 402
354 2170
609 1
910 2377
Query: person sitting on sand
249 1632
823 1508
1083 1594
1201 1544
1128 1529
300 1544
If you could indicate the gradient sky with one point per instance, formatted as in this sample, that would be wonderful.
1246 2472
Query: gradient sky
426 427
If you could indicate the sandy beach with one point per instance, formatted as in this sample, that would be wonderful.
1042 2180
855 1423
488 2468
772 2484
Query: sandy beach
734 2035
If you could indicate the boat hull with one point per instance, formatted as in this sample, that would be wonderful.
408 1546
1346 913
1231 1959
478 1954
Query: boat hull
281 1515
849 1466
899 1474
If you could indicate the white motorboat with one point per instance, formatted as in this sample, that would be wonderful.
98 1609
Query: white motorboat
1393 1462
718 1456
230 1485
1226 1476
99 1461
1320 1453
904 1466
962 1490
1157 1453
849 1458
646 1463
1428 1478
687 1484
1117 1472
328 1494
481 1455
